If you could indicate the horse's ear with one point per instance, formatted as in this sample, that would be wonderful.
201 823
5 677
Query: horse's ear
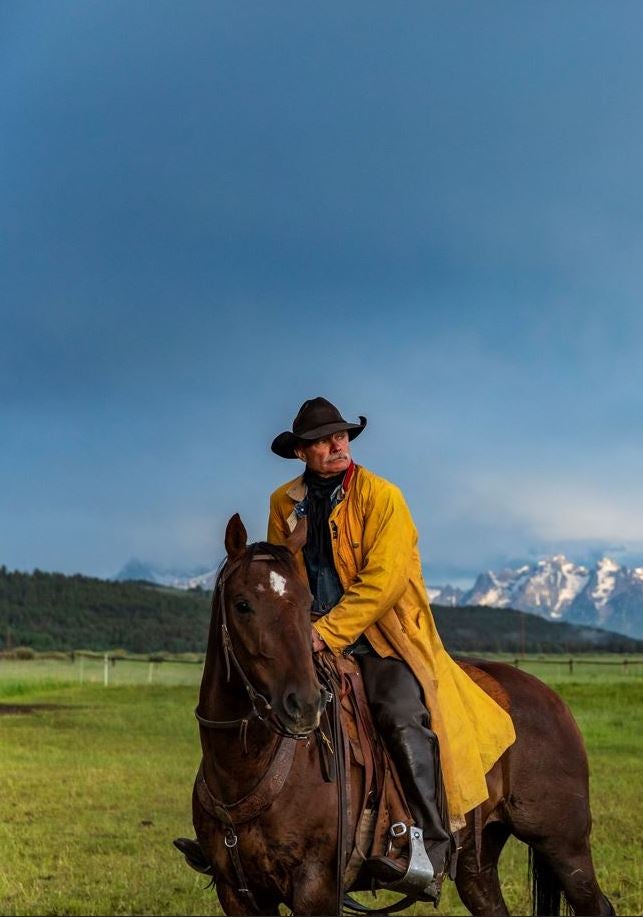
236 536
297 538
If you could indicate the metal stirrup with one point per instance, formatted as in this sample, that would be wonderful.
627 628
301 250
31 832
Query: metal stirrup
420 869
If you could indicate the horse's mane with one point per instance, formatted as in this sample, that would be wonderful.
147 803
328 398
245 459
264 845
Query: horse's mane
277 552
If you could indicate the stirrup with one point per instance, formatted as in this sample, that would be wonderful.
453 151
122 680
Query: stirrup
419 878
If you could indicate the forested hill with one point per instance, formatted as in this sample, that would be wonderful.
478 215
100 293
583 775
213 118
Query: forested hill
480 628
52 611
49 611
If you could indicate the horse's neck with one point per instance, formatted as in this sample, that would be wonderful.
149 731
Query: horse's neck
234 757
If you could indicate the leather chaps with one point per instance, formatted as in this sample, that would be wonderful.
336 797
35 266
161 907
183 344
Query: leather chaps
404 723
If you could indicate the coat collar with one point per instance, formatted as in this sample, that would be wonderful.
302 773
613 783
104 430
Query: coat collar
297 490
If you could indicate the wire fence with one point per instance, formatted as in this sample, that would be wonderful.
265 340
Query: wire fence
571 662
105 669
119 669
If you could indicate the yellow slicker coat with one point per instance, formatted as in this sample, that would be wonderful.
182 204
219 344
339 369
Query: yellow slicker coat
375 551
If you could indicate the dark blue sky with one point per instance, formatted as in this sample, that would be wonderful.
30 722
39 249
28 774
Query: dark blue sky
430 213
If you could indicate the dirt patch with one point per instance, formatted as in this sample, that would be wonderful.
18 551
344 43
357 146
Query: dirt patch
8 709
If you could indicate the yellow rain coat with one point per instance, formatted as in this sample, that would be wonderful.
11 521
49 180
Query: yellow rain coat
375 551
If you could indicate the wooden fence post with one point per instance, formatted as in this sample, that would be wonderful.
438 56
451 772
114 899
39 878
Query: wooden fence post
105 670
149 673
571 666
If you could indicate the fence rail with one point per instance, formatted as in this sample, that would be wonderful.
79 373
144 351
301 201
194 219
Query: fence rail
87 665
113 667
571 662
110 660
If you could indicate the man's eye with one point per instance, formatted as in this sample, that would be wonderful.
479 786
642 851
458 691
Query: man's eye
242 606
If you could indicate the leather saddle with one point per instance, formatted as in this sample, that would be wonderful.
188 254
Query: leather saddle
379 810
383 819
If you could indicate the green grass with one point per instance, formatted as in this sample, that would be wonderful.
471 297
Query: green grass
42 672
93 795
93 792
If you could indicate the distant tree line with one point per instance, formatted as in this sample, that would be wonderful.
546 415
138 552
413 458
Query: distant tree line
50 611
479 628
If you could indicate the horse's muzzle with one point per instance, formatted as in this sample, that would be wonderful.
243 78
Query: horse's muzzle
300 716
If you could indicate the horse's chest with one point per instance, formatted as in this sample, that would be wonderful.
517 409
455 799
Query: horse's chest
268 860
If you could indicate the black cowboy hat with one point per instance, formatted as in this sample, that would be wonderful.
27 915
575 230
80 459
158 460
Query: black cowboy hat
316 418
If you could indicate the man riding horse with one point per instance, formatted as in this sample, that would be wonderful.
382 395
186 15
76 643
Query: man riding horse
355 542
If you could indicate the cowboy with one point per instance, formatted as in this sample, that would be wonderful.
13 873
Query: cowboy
356 544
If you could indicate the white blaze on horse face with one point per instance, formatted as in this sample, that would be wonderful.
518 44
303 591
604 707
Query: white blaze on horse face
277 582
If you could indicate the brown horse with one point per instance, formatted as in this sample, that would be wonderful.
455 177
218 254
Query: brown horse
265 817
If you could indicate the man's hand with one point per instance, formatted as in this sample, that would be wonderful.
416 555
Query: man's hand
318 643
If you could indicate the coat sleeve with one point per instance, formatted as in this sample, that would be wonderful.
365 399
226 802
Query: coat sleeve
389 539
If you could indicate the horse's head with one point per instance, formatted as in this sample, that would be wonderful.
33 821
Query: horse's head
262 614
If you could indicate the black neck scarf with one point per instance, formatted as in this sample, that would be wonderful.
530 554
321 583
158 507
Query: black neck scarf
317 549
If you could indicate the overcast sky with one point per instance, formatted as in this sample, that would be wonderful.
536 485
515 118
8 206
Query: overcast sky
431 213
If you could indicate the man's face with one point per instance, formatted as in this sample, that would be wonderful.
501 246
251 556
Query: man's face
327 456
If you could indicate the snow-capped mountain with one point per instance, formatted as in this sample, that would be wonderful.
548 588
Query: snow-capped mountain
605 595
547 588
445 595
198 577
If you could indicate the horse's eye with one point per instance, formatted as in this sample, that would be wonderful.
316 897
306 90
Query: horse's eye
242 606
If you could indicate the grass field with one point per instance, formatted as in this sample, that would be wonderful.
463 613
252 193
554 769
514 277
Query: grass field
94 790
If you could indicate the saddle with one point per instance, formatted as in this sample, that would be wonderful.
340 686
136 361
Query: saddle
383 818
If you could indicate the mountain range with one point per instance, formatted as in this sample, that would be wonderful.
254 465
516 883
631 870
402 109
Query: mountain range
606 594
197 578
52 612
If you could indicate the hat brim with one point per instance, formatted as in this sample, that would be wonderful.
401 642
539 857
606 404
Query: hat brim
284 445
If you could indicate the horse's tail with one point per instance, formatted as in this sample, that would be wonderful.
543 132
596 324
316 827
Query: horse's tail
546 890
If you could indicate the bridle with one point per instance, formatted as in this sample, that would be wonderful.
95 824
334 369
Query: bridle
261 706
250 806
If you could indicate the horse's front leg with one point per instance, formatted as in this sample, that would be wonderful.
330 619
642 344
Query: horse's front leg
314 891
235 904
